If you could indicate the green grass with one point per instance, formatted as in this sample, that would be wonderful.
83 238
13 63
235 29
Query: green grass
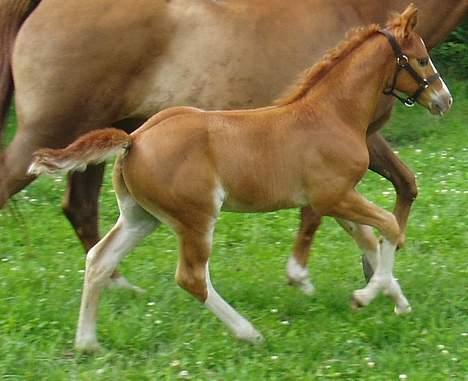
165 332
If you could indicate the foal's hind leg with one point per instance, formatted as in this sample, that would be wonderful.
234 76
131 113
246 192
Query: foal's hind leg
80 206
132 226
193 275
356 208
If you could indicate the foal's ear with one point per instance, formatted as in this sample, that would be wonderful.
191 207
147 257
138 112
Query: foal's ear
409 19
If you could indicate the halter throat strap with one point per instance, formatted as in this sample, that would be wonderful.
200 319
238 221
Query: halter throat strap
402 62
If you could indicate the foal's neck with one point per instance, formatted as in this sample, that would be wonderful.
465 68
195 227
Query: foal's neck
352 88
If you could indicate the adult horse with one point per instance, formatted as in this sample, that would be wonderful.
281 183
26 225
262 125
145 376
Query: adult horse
79 66
185 164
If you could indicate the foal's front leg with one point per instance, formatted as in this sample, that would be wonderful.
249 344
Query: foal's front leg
297 270
357 209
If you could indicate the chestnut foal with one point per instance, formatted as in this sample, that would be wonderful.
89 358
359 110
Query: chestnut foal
185 165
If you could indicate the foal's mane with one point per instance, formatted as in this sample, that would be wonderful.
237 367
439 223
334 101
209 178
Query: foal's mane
309 77
354 38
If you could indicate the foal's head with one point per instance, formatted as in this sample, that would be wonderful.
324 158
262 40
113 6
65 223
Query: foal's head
414 73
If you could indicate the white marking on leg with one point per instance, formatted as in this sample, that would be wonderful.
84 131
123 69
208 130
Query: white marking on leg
240 327
299 276
383 280
101 261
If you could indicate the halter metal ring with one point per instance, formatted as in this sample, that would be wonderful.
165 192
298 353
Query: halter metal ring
409 102
402 60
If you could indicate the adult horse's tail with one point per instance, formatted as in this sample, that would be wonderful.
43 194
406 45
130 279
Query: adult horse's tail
92 148
12 15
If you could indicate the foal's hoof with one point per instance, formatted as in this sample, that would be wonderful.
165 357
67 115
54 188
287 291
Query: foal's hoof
258 339
304 285
251 336
122 283
402 310
359 299
87 347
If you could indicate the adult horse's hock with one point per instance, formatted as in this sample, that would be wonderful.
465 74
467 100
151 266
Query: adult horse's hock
185 165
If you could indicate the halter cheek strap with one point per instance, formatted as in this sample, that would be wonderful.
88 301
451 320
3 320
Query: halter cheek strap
402 62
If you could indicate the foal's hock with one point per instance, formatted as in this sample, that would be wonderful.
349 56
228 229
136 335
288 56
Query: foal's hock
185 165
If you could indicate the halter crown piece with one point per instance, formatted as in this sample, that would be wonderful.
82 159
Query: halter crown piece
402 62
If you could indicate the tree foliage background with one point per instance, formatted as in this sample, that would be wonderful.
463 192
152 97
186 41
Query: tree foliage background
452 56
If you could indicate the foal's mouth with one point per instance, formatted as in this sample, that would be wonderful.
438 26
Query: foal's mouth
441 106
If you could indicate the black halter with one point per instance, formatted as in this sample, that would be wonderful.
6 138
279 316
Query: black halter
402 62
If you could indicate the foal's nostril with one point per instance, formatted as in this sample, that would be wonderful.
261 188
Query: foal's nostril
450 101
437 107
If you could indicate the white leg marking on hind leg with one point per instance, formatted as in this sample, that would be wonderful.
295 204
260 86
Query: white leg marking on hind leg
101 261
299 276
240 327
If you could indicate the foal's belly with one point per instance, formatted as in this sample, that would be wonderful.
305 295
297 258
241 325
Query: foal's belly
246 203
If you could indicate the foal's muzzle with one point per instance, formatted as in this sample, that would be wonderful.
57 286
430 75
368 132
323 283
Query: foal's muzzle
441 103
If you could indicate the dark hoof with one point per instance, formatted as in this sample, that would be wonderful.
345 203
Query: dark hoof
366 269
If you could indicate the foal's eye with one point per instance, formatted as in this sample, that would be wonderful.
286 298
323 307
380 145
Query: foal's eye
423 61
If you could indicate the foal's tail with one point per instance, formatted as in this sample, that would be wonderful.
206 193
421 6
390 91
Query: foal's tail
92 148
12 15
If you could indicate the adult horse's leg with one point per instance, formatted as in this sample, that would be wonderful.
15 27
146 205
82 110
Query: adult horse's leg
14 163
193 276
132 226
357 209
384 162
80 203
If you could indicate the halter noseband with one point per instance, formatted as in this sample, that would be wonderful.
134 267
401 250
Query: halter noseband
402 62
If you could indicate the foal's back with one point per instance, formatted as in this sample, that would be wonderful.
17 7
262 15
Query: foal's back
258 160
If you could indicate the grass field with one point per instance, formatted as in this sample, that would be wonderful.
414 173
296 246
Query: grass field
166 335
